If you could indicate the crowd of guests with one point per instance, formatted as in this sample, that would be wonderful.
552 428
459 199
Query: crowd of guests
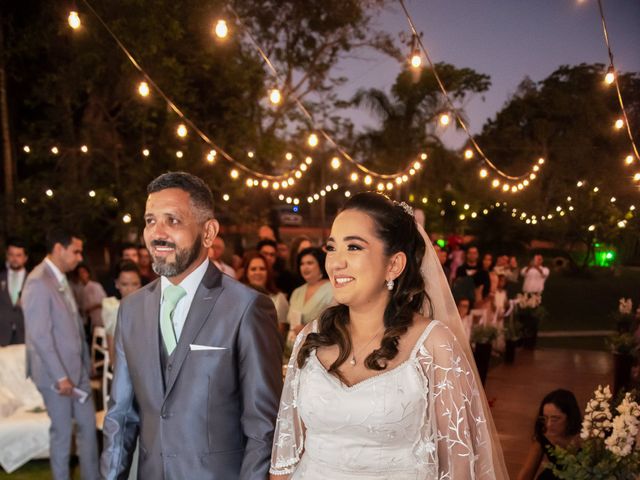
485 285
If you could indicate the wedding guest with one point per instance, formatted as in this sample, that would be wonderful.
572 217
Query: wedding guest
283 278
558 424
309 301
374 389
216 251
283 251
128 251
265 232
127 281
11 284
145 266
258 274
91 296
58 356
298 244
535 275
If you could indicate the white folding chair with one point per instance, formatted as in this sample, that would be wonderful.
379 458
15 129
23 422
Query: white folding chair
107 378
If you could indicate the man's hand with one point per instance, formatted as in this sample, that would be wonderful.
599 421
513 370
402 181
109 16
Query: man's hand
65 387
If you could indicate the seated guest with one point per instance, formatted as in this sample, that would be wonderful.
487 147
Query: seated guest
257 274
558 424
127 281
91 294
309 301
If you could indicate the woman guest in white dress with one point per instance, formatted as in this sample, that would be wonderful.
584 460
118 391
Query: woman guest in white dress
379 387
310 300
257 274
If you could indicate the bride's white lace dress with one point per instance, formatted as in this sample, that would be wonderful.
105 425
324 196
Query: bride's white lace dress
420 420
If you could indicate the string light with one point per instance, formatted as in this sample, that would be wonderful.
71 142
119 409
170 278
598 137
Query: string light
234 174
468 154
221 29
74 20
335 163
226 197
416 59
628 159
181 131
275 96
49 193
126 218
143 89
445 119
84 149
313 140
55 150
26 149
619 124
610 77
179 154
211 156
92 193
354 177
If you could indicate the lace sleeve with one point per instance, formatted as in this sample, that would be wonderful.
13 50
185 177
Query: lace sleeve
455 441
288 439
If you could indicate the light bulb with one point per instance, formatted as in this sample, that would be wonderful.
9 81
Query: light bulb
468 154
416 60
628 159
181 130
445 119
145 152
74 20
126 218
226 197
313 140
221 29
234 174
55 150
275 96
610 77
335 163
143 89
368 180
483 173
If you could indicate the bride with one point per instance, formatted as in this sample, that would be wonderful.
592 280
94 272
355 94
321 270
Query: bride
379 387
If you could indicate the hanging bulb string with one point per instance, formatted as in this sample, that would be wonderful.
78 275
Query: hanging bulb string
450 102
304 109
615 80
205 138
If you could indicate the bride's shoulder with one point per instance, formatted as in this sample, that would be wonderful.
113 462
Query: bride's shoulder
433 331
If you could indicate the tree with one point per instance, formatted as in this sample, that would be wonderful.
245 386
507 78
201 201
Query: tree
568 119
68 88
408 114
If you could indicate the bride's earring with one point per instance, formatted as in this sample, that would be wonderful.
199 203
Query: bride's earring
389 285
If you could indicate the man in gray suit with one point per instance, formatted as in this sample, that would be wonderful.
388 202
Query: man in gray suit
11 285
58 356
198 357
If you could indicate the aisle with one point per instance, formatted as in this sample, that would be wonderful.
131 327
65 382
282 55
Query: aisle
519 388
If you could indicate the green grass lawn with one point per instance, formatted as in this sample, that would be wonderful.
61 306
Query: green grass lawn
34 470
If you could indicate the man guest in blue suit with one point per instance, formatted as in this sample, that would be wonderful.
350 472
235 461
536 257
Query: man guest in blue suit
58 355
198 356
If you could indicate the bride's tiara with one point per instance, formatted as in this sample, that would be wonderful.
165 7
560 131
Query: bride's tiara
407 208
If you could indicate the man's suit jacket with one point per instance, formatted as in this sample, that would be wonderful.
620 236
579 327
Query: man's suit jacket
212 414
10 314
55 346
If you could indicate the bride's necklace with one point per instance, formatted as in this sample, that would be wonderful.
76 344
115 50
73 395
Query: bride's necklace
353 360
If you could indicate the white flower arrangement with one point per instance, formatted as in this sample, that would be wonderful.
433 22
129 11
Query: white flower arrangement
597 416
625 306
625 428
529 300
610 448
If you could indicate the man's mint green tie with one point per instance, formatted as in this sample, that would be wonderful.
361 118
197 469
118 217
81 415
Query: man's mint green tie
170 298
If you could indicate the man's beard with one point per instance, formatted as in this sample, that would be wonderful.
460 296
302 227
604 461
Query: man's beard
184 258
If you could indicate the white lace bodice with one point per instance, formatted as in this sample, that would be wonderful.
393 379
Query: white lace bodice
420 420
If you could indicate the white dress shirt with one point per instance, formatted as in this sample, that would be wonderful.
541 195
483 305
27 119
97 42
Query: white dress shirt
534 279
190 285
15 281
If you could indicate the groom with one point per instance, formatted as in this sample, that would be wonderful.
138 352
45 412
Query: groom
198 357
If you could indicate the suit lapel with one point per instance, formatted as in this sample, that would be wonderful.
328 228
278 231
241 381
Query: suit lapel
205 298
152 328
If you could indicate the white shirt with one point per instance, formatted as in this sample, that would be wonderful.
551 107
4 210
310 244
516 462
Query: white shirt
224 268
62 278
15 280
190 285
534 279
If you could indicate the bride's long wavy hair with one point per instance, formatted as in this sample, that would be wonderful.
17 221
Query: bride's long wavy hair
397 229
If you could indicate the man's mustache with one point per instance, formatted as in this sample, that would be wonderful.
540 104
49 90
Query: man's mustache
162 243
